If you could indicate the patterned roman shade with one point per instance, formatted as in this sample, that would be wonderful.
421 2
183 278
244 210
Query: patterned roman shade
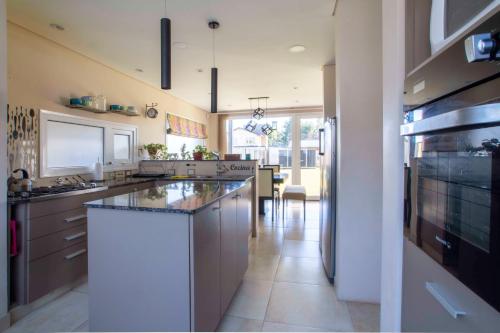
185 127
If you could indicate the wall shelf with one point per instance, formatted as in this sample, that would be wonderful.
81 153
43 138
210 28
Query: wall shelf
89 109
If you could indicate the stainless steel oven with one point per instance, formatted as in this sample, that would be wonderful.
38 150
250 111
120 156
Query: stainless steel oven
452 174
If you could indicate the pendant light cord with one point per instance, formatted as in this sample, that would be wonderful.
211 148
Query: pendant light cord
213 46
165 8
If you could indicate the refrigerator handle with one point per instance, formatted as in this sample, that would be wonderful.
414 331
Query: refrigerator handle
322 141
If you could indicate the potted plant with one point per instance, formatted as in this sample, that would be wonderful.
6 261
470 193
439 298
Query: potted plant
185 155
198 152
156 151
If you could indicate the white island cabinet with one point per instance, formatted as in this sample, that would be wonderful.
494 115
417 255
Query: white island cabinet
169 258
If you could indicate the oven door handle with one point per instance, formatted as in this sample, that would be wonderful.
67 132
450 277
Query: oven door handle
487 114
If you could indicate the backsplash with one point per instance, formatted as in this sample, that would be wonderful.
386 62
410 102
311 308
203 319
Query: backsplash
199 168
22 139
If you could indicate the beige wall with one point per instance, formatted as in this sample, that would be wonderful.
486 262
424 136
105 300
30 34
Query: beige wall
358 81
42 74
393 46
329 101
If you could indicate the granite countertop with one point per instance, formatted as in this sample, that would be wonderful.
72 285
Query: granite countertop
113 183
182 197
101 186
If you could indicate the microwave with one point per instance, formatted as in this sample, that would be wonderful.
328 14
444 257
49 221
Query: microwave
448 18
451 136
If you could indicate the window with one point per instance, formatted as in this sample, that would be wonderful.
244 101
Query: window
175 142
71 145
272 149
122 152
62 138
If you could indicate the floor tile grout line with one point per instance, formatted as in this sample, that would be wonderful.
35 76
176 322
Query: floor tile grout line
275 275
301 326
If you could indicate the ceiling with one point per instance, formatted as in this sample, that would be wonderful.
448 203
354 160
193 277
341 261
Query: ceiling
251 44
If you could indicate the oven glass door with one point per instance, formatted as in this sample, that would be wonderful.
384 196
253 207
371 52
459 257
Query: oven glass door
455 204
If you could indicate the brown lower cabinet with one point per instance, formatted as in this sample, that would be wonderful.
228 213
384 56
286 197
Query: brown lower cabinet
220 240
52 242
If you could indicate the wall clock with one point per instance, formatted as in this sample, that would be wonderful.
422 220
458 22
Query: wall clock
151 111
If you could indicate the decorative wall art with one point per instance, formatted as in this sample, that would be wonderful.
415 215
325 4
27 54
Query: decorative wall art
22 139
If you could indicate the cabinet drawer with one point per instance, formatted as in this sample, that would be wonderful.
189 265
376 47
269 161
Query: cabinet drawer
431 294
56 270
48 207
45 245
49 224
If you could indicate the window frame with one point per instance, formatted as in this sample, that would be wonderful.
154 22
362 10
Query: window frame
110 128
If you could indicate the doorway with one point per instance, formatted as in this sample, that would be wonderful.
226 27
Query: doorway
294 145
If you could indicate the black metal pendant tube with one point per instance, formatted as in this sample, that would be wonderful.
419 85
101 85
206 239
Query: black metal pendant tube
166 55
213 108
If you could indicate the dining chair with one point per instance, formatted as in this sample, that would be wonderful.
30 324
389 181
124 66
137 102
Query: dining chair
266 187
276 168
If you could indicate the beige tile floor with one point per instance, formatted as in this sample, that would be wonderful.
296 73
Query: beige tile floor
284 289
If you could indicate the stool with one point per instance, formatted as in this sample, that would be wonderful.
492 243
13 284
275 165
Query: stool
294 192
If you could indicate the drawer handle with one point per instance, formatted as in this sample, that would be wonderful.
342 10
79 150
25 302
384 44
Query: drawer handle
433 289
75 254
75 236
75 218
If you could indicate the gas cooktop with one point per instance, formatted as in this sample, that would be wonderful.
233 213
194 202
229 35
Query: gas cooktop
51 190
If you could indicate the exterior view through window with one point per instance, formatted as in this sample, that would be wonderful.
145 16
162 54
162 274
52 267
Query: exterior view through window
298 158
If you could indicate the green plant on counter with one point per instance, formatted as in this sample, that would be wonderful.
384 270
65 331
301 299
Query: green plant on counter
156 151
200 149
185 155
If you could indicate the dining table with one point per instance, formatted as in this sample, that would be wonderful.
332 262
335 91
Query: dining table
279 177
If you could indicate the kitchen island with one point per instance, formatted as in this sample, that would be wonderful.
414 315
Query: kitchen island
167 258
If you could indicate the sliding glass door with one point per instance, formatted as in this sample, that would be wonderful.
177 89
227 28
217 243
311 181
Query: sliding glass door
294 145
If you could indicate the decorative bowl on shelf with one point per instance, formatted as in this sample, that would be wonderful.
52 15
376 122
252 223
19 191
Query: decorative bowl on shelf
75 101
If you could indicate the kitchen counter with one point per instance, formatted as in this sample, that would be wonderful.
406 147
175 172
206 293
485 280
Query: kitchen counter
168 257
185 197
114 183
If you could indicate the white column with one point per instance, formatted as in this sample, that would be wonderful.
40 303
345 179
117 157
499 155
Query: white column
358 48
393 14
3 166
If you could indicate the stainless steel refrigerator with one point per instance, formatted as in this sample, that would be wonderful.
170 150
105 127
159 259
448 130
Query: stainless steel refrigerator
328 195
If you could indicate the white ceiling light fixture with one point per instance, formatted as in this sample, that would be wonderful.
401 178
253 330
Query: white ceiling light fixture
297 48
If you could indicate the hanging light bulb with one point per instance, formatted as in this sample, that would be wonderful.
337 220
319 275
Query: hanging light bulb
214 72
166 52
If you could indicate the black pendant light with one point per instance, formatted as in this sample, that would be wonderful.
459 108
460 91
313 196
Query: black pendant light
214 72
166 53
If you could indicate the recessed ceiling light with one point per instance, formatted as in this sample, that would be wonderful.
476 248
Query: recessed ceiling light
200 70
229 105
295 88
180 45
140 70
297 101
297 48
56 26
